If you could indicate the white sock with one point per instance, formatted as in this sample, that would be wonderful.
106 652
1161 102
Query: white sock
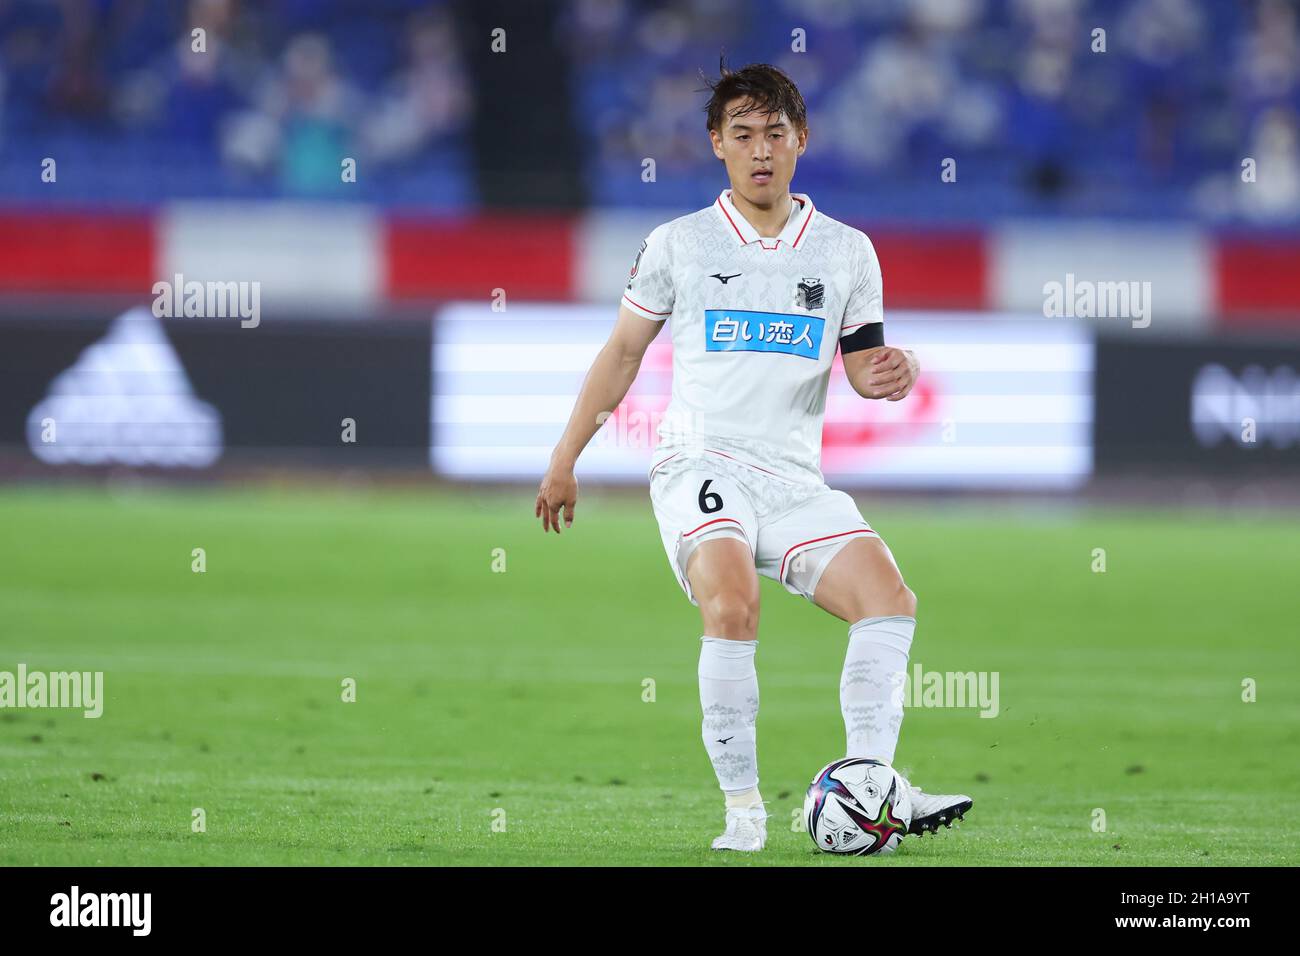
749 799
871 688
729 699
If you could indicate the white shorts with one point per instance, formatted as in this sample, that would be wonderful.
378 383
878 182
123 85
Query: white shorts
793 530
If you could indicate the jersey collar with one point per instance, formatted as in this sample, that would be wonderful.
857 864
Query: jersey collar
794 234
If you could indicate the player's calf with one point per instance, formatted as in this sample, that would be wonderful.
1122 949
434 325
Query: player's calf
722 577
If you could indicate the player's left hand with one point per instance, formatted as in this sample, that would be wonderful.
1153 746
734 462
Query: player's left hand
893 372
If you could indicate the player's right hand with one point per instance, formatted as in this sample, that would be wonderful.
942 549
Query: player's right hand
559 490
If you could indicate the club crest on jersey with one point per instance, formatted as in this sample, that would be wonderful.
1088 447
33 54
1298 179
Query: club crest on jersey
810 294
636 265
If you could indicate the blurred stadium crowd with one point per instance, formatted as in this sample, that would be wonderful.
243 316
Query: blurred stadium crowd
1039 122
1156 125
276 93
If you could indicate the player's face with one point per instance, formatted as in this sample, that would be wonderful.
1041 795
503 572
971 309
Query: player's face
760 151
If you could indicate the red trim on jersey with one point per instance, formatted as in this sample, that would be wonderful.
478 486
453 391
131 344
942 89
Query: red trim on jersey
642 307
759 240
714 521
655 467
856 325
781 576
739 462
811 210
733 225
723 454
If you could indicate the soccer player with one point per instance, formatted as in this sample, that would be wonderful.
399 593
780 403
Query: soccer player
760 289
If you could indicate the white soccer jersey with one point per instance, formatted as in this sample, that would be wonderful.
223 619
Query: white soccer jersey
755 326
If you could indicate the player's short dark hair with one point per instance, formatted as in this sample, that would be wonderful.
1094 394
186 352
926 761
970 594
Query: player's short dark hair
769 91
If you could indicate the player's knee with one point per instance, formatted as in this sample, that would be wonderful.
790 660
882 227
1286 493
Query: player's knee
730 615
906 600
897 599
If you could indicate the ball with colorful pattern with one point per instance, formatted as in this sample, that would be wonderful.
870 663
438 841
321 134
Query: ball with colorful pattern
885 824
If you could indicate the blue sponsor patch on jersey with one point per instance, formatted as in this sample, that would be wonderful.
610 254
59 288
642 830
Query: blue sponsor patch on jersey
738 330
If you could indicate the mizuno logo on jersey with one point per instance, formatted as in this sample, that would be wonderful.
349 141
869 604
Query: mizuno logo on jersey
739 330
810 294
723 279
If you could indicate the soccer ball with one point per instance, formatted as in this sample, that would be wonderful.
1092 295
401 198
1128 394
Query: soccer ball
857 806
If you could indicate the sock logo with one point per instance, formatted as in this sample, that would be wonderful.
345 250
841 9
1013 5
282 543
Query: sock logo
732 737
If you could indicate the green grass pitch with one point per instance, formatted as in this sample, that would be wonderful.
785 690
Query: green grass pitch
515 697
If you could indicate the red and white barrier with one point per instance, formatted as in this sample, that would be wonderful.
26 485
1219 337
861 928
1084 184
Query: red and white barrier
353 259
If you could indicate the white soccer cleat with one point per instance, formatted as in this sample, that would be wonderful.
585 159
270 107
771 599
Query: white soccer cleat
746 830
929 810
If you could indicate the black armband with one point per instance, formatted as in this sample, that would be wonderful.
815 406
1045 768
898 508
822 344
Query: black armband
869 336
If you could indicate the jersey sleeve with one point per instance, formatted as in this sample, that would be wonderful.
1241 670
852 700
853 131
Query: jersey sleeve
865 305
650 292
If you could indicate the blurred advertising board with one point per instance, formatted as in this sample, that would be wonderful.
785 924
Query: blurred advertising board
1219 406
1003 401
135 390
